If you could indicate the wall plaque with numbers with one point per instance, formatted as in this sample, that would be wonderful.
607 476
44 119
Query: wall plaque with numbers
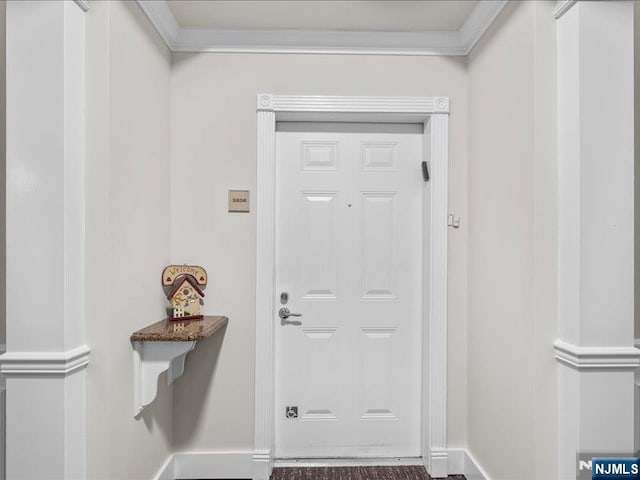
238 200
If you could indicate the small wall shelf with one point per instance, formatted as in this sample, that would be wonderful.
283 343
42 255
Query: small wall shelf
163 346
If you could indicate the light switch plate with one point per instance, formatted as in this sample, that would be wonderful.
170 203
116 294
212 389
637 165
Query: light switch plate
239 200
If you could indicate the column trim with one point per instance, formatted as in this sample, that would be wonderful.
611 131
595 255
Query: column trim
601 358
436 318
44 363
45 367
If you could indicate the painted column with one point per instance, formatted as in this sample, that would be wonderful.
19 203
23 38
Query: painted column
46 351
435 453
595 348
263 455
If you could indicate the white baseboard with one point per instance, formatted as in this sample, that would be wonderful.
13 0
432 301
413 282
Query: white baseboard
167 470
456 461
439 466
262 465
236 465
214 465
461 461
211 465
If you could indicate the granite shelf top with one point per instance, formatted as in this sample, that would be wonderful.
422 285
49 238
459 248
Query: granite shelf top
180 331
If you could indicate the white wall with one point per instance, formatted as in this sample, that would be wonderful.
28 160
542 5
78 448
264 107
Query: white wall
512 244
128 233
3 164
213 150
637 167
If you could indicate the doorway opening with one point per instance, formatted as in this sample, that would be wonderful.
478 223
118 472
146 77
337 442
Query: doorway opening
348 268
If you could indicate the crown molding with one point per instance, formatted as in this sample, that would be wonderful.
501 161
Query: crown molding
580 358
44 363
563 7
318 42
455 42
479 22
162 19
83 4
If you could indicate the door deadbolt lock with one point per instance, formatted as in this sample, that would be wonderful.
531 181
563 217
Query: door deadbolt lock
284 298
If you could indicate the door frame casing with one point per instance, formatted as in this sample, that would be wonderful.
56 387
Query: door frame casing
433 112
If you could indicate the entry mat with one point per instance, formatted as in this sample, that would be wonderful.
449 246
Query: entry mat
355 473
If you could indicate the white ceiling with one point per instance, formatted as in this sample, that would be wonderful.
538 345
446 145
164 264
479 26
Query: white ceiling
363 15
365 27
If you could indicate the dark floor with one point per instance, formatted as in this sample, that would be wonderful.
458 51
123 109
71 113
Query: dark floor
355 473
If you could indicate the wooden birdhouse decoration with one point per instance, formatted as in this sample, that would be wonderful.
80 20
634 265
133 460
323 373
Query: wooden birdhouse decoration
185 294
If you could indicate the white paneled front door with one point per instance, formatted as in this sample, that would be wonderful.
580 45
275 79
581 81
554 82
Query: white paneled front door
348 256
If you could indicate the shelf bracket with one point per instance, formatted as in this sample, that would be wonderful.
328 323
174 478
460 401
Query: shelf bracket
150 359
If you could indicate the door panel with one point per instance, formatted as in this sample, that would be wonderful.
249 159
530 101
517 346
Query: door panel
378 260
348 254
318 252
322 366
378 368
